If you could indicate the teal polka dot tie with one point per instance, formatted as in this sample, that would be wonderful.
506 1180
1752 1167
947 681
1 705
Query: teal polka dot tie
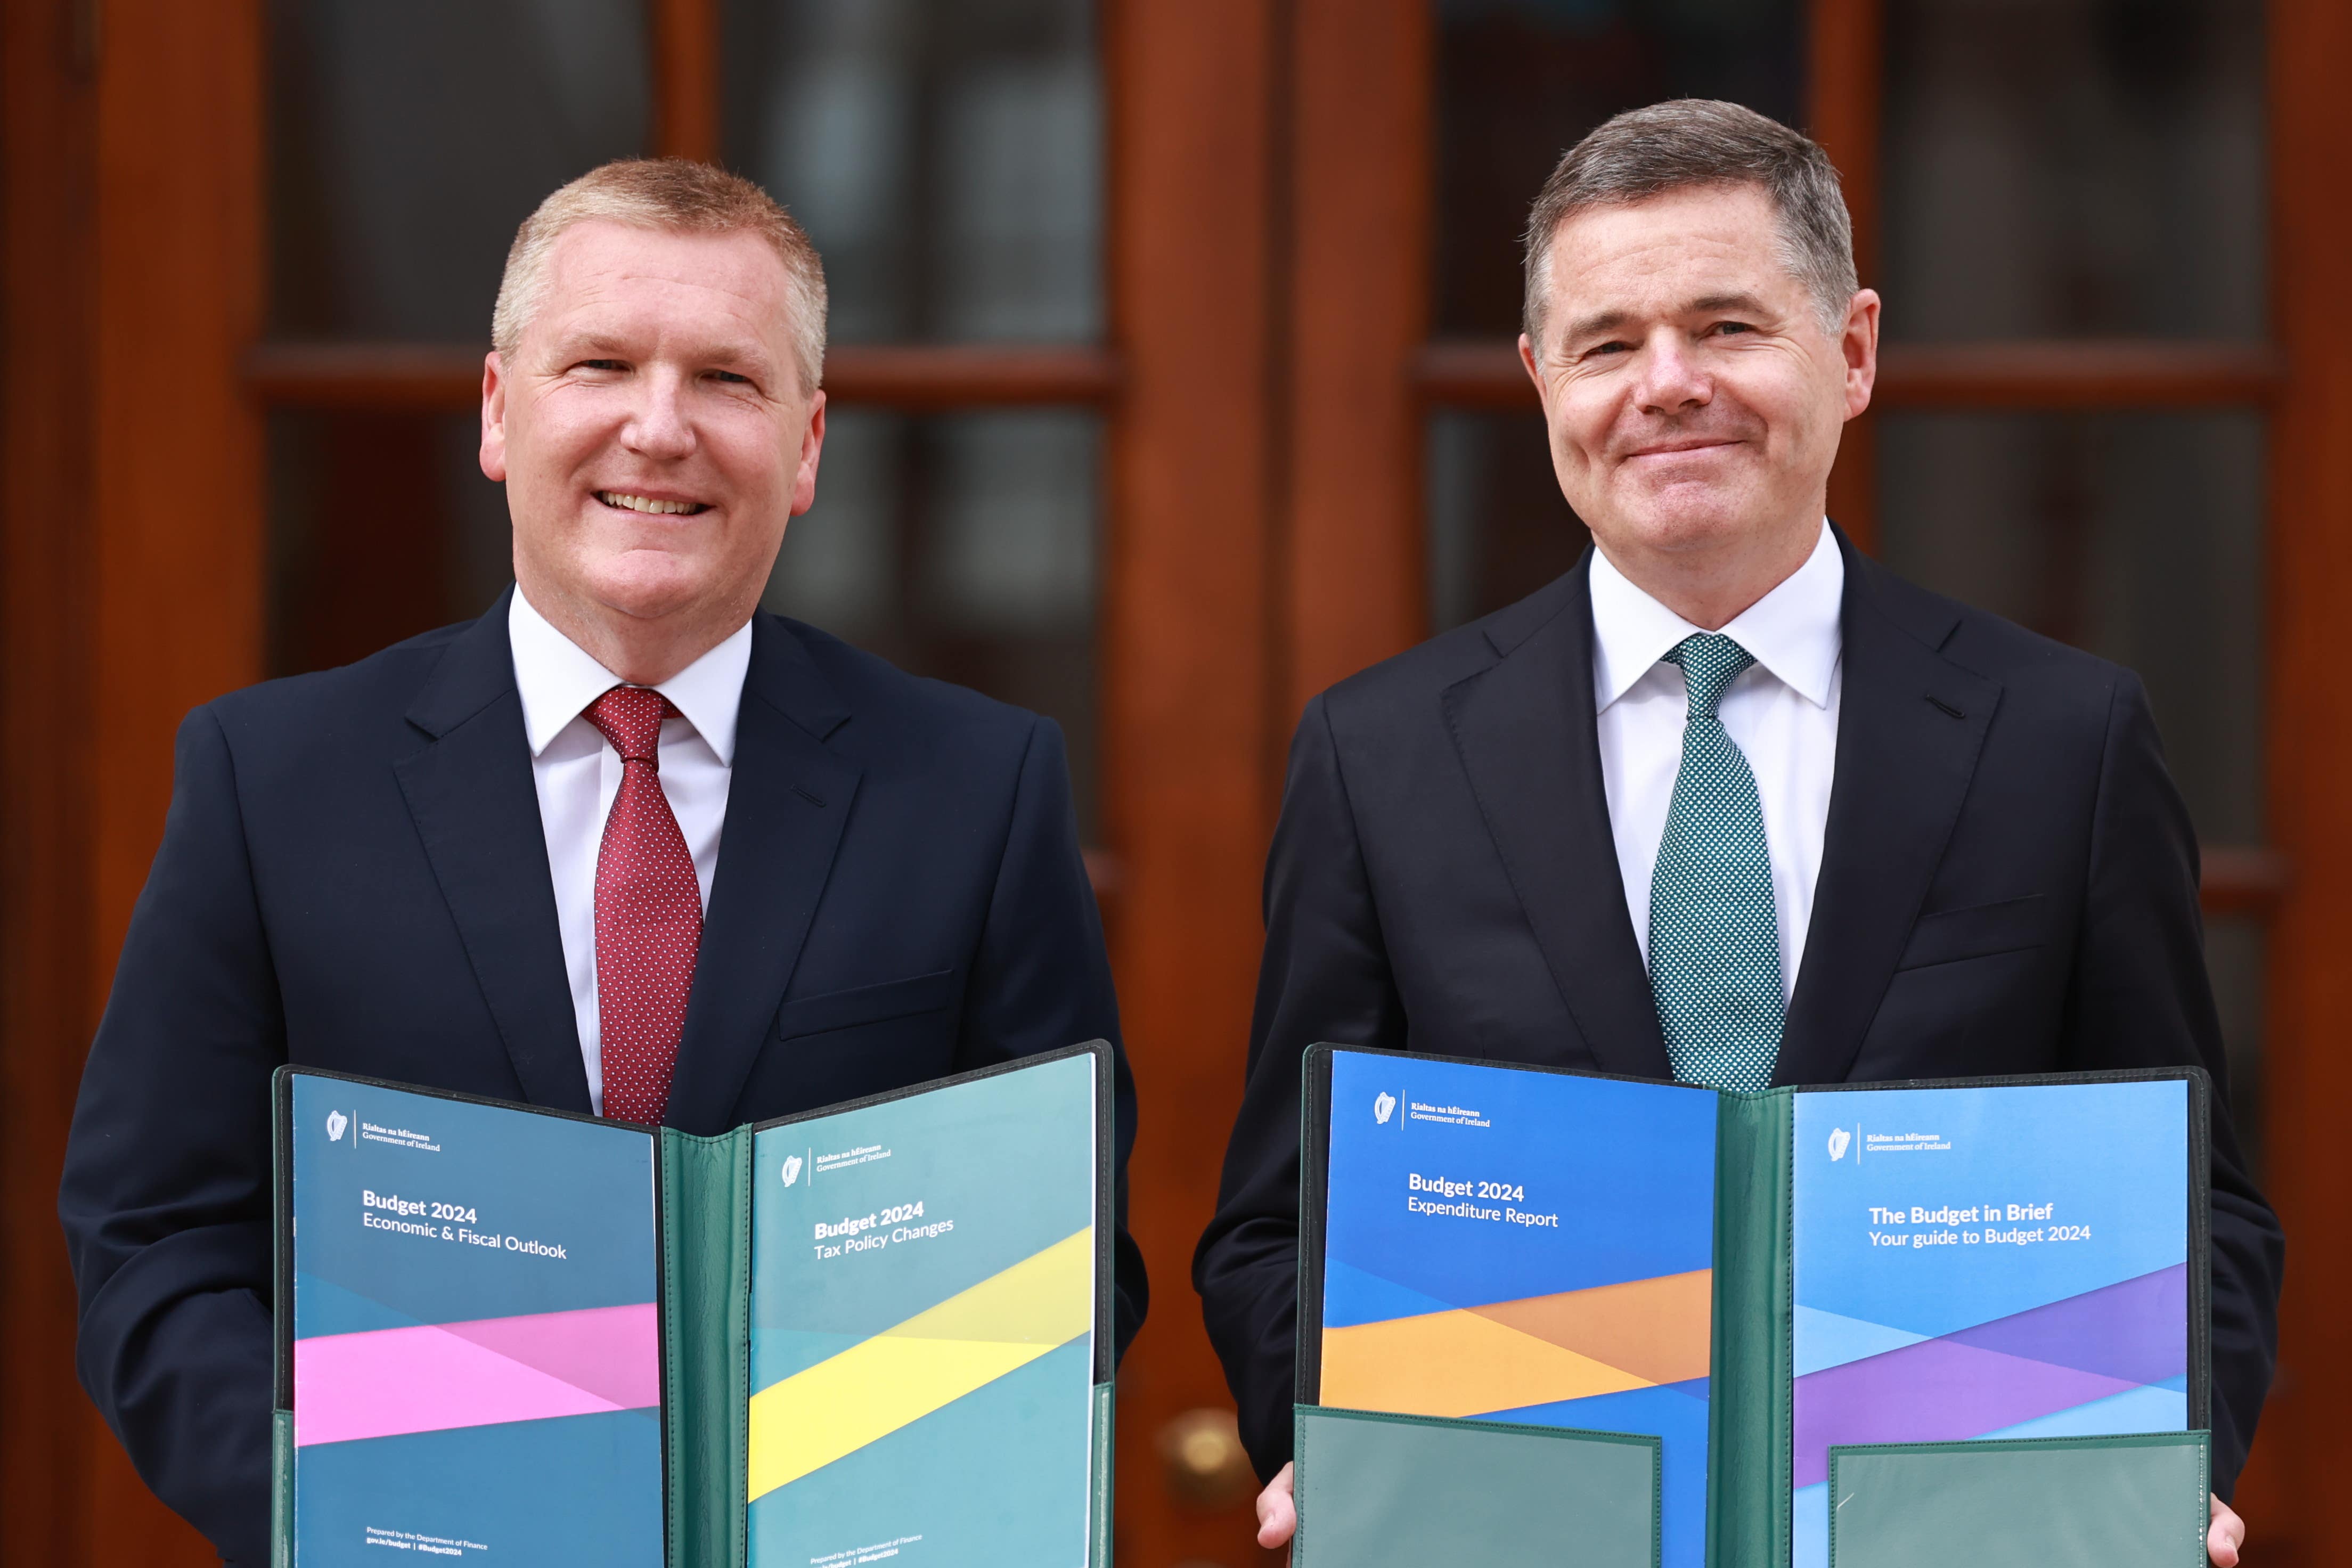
1714 941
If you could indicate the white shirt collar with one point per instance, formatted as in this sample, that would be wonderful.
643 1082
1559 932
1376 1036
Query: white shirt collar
557 679
1793 631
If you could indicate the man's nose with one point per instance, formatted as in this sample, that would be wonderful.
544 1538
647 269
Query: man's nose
661 425
1672 380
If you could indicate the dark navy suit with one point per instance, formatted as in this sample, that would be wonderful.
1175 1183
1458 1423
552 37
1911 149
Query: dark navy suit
353 876
2008 886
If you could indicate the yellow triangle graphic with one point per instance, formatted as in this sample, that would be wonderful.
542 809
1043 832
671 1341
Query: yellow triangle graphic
935 1357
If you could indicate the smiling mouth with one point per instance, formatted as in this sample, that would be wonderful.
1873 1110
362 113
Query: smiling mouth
1681 449
623 500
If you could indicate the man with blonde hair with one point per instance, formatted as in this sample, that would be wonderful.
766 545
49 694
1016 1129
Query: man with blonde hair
624 846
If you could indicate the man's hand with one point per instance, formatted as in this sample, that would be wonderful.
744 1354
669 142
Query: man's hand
2221 1542
1278 1517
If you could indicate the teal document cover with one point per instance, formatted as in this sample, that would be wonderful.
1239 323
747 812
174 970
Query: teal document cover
878 1332
1758 1280
1526 1247
925 1287
1986 1263
474 1344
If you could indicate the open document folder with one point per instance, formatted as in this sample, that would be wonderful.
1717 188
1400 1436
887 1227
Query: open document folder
1833 1310
876 1332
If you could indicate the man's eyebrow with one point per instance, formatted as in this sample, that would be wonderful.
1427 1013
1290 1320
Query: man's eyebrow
594 343
1743 305
742 351
1589 326
597 344
1610 320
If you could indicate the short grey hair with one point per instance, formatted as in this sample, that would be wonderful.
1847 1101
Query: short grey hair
1693 143
672 195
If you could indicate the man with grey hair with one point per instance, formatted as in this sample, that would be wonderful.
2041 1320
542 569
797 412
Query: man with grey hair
1728 803
624 846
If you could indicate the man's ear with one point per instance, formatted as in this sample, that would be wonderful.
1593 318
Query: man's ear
1859 345
1528 362
494 418
811 448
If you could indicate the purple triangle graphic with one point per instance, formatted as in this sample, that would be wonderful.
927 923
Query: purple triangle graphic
1935 1391
2137 1330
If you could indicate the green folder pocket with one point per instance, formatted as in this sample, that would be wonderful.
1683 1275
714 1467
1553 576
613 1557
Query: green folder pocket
1407 1492
2059 1502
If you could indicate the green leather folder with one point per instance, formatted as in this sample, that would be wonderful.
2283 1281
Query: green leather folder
1406 1492
1460 1222
933 1369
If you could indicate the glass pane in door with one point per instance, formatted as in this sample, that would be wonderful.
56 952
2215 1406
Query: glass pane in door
2068 168
407 141
945 155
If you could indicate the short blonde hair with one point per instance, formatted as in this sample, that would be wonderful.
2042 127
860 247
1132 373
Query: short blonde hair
673 195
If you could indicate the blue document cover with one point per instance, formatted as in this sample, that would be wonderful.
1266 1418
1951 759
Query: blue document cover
925 1370
1986 1262
476 1346
1523 1246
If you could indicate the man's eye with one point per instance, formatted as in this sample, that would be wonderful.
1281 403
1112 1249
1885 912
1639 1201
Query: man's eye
601 364
728 376
1727 328
1612 347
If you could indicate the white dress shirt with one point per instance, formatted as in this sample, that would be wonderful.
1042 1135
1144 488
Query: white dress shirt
1782 713
578 774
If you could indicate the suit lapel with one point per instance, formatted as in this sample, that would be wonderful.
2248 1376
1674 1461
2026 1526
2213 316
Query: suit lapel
1525 729
1910 726
470 794
788 801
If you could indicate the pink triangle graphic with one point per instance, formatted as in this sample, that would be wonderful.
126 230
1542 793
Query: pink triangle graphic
382 1382
613 1353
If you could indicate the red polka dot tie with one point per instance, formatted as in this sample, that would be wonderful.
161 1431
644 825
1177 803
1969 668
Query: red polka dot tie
648 914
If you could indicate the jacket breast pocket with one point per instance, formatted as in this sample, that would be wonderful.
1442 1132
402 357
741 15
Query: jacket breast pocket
1980 931
862 1004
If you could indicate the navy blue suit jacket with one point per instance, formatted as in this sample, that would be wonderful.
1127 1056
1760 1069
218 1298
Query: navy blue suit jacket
353 876
2008 885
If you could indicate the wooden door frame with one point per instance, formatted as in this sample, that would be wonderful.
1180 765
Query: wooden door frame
2303 1445
1269 276
132 556
1188 608
49 157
